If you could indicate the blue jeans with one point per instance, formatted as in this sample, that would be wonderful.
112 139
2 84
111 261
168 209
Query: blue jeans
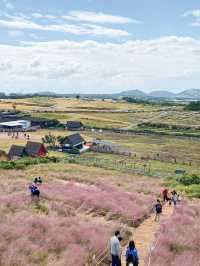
116 261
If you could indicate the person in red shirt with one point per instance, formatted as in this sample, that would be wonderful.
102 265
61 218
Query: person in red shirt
165 195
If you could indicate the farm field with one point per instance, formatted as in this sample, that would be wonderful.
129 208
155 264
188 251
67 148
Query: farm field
89 196
145 147
93 113
103 114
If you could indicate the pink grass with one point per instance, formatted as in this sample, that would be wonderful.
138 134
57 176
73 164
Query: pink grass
179 238
105 197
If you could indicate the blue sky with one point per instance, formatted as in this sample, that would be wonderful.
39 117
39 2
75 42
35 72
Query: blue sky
99 45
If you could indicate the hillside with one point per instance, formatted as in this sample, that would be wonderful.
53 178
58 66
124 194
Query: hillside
162 94
89 196
133 93
190 94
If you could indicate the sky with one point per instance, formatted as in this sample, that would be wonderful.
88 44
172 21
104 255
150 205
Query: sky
99 46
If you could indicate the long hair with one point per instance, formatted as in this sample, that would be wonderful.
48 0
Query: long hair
131 245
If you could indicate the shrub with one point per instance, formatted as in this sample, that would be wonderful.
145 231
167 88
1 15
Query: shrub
27 161
190 180
193 106
177 248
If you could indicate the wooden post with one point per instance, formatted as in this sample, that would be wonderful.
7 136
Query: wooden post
149 167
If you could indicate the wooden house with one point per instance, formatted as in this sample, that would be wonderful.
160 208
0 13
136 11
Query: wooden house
74 125
35 149
16 152
73 143
44 122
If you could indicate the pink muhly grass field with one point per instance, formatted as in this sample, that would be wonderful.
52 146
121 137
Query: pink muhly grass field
179 238
104 197
35 237
50 235
28 239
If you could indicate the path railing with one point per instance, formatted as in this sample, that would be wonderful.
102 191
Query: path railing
100 258
152 247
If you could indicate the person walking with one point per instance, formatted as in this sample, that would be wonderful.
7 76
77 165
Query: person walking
40 180
165 195
158 210
35 180
132 255
35 192
175 199
115 249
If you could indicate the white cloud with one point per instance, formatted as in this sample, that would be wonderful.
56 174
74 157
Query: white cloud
8 4
34 36
19 23
101 67
89 17
15 34
43 16
94 17
195 14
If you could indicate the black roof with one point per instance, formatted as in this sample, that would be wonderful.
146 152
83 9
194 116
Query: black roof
16 151
32 148
74 124
73 140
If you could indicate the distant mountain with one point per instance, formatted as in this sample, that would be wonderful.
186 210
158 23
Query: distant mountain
134 94
193 94
46 93
162 94
190 95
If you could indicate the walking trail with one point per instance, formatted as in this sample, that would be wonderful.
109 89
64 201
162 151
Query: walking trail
144 235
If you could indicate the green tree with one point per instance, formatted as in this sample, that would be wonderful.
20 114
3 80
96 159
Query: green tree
50 140
193 106
60 139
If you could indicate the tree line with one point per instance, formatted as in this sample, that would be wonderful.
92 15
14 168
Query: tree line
193 106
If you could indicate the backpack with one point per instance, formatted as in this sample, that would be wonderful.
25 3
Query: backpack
158 208
131 258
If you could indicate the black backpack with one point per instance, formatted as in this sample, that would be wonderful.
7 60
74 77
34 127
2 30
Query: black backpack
158 208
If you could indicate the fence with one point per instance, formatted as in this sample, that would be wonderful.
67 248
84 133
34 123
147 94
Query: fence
98 259
132 165
126 165
109 149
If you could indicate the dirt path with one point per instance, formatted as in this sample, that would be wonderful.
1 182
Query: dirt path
144 235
